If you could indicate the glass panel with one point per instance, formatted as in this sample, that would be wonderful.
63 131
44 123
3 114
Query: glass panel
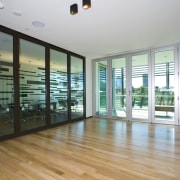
119 87
101 98
140 86
164 85
58 87
32 85
6 85
77 88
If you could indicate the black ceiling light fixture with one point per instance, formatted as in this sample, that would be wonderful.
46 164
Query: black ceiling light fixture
74 9
86 4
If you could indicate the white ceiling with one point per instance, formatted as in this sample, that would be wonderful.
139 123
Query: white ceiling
108 27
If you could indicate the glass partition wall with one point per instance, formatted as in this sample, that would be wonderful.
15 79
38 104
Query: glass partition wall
77 90
40 85
32 85
6 85
58 87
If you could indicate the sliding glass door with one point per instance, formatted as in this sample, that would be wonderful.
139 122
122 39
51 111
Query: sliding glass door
101 88
139 87
165 84
119 87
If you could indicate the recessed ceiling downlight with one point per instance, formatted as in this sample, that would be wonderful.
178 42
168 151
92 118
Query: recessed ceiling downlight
1 5
38 24
17 13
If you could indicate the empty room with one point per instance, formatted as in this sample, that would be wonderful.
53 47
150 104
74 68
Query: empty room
90 89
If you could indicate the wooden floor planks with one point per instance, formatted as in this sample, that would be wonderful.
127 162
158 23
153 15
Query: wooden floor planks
94 149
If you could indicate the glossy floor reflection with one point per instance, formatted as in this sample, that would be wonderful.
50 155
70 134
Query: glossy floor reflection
94 149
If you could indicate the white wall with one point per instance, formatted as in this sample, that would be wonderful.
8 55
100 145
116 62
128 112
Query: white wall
88 88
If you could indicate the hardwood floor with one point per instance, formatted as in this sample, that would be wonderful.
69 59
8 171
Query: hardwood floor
94 149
